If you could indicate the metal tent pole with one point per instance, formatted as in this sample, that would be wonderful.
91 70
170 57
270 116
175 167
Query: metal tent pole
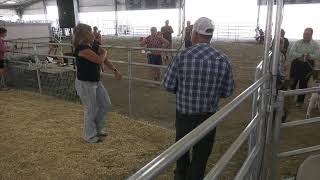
45 10
180 18
258 16
116 16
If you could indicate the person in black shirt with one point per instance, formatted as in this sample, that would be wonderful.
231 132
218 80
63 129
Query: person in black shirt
286 44
90 61
187 37
167 34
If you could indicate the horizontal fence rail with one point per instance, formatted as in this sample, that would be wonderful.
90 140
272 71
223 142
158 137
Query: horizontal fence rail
103 46
300 122
299 151
301 91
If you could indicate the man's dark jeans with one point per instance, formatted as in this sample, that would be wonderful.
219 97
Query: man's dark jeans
300 72
194 168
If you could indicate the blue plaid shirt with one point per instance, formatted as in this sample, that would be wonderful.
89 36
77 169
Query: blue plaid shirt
199 76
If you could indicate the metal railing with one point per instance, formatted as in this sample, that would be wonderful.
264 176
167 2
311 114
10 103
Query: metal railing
278 125
43 65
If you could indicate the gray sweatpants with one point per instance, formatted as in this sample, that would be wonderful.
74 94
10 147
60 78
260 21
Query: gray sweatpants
96 103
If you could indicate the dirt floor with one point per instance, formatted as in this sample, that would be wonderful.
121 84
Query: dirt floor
50 128
40 138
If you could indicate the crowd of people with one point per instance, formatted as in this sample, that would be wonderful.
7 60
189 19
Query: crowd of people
199 76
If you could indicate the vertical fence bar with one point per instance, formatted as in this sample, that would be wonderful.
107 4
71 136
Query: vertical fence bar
129 80
217 32
265 100
274 70
228 31
275 63
276 140
254 111
254 138
38 65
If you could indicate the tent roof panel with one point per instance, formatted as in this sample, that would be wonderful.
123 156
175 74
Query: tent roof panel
90 4
264 2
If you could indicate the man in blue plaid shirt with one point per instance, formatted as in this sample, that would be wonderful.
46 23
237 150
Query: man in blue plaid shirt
199 76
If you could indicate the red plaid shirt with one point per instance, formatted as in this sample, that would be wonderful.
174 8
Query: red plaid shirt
154 41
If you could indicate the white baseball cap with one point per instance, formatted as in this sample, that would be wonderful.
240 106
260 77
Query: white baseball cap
204 26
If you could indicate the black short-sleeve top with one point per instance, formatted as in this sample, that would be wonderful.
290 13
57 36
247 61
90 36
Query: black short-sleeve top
87 70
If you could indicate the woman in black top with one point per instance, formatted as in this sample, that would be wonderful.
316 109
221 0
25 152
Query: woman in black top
90 61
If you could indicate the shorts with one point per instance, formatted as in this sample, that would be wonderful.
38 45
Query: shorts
154 59
3 63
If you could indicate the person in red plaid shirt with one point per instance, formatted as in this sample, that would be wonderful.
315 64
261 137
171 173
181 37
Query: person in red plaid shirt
3 62
155 40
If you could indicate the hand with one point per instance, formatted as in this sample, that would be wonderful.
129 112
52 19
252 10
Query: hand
305 57
101 75
118 75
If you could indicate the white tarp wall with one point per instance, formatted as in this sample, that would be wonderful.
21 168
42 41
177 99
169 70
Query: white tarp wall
264 2
27 30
